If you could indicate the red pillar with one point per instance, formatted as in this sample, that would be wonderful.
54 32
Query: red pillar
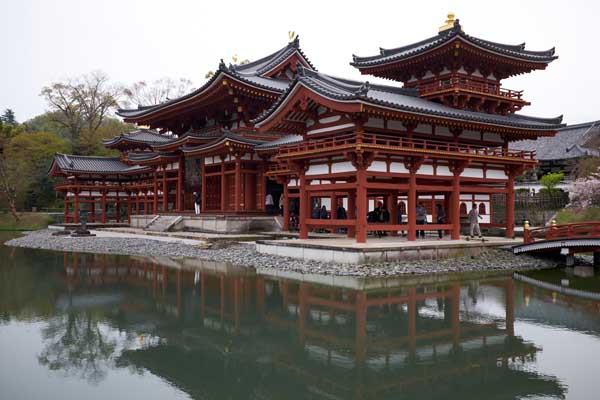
93 210
411 205
412 321
510 307
76 207
455 206
361 205
510 206
455 299
361 328
155 189
351 213
66 207
333 201
223 186
165 190
118 208
203 188
303 310
103 205
304 207
392 206
129 204
137 202
179 197
286 206
238 183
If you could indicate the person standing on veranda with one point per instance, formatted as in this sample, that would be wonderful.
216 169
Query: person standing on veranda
197 201
269 203
440 219
474 218
421 219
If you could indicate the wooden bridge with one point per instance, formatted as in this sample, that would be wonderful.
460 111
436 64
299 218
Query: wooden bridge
565 239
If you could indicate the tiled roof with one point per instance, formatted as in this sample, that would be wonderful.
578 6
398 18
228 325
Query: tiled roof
150 155
569 142
96 165
250 73
144 136
401 99
266 64
225 136
289 139
514 51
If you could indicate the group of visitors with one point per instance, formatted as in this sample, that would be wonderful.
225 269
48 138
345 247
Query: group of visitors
378 215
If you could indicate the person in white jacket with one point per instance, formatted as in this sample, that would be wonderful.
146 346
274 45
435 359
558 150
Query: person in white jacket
474 218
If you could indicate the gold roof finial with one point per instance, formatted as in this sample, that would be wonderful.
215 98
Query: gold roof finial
291 36
449 24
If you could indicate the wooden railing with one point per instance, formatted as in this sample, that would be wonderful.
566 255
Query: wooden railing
350 140
467 84
565 231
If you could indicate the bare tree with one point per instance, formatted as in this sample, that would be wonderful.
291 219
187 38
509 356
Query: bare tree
149 93
82 103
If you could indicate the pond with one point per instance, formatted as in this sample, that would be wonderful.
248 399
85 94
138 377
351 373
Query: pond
84 326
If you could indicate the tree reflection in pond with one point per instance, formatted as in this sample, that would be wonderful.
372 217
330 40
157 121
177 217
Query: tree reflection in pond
76 344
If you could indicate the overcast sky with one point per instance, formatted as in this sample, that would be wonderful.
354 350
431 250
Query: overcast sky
131 40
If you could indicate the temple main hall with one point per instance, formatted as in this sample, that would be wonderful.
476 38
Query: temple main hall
277 136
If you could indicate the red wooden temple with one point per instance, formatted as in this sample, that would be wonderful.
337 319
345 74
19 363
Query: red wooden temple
277 128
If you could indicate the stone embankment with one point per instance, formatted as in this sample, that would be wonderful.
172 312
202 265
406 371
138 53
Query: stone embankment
246 255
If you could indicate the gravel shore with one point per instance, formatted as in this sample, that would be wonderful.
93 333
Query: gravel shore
246 255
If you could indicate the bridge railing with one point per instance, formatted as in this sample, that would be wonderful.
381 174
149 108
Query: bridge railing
563 231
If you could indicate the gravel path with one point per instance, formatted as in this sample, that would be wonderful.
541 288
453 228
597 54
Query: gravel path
246 255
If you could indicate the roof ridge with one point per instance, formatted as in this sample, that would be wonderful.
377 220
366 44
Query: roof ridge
89 157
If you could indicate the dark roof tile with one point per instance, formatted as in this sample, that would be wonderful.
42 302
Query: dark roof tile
404 100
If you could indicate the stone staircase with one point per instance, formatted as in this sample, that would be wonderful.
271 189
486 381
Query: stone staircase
163 223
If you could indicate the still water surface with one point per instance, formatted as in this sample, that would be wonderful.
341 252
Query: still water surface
75 326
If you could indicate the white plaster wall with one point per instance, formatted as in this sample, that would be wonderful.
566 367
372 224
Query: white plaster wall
496 174
472 173
425 169
328 120
470 135
443 170
423 128
316 169
342 167
442 131
392 124
378 166
330 128
375 123
398 168
492 137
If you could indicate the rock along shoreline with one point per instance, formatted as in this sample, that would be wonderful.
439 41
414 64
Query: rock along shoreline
245 255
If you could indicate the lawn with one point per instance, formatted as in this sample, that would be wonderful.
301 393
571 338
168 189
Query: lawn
569 215
27 221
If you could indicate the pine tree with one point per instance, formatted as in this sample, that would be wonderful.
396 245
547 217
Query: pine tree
8 117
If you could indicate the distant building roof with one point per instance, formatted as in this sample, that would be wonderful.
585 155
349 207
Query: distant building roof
572 141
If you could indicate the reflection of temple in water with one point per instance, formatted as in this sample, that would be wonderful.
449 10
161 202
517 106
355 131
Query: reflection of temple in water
230 332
